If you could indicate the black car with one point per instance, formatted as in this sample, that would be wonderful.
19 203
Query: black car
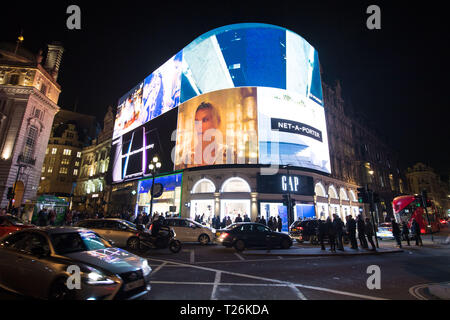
308 230
248 234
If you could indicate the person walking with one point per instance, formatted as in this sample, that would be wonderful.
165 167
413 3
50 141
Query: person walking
263 221
280 224
238 218
405 232
331 234
338 225
369 233
42 217
228 221
397 233
270 223
52 217
361 232
351 230
322 233
416 231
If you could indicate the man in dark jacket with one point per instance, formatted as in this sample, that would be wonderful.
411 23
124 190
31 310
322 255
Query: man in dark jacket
238 218
361 232
338 226
369 233
405 232
396 232
270 223
416 230
331 234
323 232
351 229
262 221
280 224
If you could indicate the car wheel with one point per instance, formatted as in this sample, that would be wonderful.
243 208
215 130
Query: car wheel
60 291
203 239
285 244
239 245
134 243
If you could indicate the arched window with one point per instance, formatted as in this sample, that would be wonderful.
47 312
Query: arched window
343 194
332 192
320 190
235 184
204 186
353 196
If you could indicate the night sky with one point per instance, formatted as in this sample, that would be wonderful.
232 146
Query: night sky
396 76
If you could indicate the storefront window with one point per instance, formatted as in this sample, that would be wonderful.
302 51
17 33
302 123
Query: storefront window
322 210
202 210
235 185
204 186
168 202
233 208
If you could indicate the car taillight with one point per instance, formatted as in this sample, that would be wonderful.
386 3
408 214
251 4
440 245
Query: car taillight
223 235
300 228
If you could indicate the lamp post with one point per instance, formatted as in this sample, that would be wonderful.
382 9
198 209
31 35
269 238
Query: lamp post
154 167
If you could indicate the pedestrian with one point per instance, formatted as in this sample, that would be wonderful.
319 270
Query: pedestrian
228 221
331 234
338 225
415 228
351 230
247 218
397 233
263 221
322 233
405 232
52 217
369 233
68 218
257 220
361 232
280 224
42 217
238 218
270 223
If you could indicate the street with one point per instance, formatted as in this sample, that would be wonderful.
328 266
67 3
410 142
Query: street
213 272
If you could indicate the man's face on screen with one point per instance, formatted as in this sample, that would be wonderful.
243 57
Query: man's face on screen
204 120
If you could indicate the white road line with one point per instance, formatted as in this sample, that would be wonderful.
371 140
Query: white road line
159 267
298 292
216 283
279 257
239 256
245 260
284 282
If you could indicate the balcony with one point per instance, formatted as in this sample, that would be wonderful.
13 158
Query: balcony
26 160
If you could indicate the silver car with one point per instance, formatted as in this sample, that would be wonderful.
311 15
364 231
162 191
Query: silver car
121 232
70 263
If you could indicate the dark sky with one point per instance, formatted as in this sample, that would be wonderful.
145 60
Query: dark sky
397 76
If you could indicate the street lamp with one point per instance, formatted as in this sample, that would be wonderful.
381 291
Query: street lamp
154 167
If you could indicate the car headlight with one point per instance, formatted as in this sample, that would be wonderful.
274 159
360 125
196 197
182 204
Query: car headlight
146 268
96 277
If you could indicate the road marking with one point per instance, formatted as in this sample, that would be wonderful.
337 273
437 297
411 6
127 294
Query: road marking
282 282
247 260
298 292
216 283
279 257
159 267
239 256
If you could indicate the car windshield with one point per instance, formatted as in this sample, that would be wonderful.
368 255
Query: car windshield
130 224
77 242
231 226
15 221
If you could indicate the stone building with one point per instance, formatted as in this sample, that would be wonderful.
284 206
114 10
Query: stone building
91 191
422 177
29 94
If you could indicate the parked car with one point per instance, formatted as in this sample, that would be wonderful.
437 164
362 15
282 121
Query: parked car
9 224
35 262
385 231
122 233
244 235
188 230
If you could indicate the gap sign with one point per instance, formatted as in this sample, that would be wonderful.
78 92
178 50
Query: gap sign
283 183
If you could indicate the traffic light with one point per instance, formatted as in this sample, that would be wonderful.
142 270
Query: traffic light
363 196
418 200
10 194
285 200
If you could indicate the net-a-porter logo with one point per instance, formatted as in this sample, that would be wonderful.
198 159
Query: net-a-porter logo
296 127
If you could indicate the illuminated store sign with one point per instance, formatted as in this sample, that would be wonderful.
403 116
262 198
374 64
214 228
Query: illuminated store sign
283 183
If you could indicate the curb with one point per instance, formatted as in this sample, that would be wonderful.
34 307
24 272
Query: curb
336 254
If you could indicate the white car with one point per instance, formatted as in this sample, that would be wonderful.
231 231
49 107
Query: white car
188 230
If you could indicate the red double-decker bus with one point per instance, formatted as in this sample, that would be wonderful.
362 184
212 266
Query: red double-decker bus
408 207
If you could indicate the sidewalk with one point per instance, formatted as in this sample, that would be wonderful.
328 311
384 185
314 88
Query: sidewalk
312 252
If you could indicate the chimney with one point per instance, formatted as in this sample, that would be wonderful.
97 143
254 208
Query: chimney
53 61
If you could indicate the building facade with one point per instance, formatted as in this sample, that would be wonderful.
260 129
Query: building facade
92 190
29 94
422 177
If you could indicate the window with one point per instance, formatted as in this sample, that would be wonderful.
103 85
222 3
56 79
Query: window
67 152
44 89
14 79
43 169
77 163
75 172
65 161
78 154
63 170
50 169
54 150
30 142
37 113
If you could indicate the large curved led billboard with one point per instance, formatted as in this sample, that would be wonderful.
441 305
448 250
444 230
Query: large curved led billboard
258 86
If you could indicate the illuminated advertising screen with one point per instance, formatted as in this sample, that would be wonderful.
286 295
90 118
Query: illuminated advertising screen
241 94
